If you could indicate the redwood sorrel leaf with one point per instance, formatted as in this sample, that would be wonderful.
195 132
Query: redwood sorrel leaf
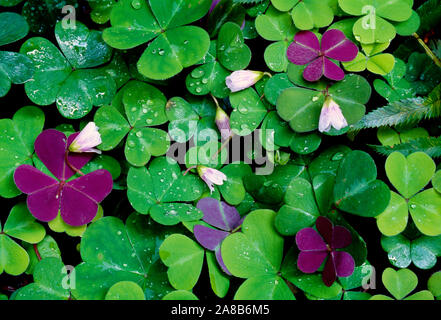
306 49
316 247
77 200
220 215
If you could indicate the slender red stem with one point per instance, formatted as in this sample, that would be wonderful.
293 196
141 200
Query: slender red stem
37 252
66 157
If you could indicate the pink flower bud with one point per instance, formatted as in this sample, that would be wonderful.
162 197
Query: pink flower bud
211 176
331 116
242 79
87 139
223 123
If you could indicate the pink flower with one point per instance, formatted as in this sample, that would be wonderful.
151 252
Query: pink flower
331 116
242 79
211 176
223 123
87 139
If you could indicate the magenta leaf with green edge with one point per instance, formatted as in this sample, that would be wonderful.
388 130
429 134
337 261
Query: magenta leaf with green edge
219 215
306 49
315 247
77 199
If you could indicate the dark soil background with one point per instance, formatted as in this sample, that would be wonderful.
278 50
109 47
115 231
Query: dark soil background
118 205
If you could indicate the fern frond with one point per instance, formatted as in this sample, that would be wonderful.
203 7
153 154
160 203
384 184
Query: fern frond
403 112
429 145
398 112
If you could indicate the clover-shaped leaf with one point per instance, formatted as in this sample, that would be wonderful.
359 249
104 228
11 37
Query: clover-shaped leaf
49 278
356 190
276 26
65 79
307 14
125 290
306 49
271 188
232 51
224 218
400 284
248 111
410 175
13 27
397 87
175 46
180 295
434 284
300 209
422 74
46 248
14 67
114 252
101 10
422 251
20 224
142 106
374 25
256 255
233 189
161 190
194 119
209 77
17 138
48 195
184 259
302 107
373 60
309 283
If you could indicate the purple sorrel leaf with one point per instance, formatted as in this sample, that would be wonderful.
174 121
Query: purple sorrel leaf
51 146
343 262
76 200
220 260
309 262
80 197
314 71
41 190
329 275
209 238
332 71
314 249
341 237
304 49
325 228
219 214
336 46
308 239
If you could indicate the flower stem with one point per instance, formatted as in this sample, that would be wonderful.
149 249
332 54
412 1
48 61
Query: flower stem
188 170
428 51
66 158
226 142
37 253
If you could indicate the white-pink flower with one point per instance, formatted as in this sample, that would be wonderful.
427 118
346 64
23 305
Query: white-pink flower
87 139
242 79
331 116
211 176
